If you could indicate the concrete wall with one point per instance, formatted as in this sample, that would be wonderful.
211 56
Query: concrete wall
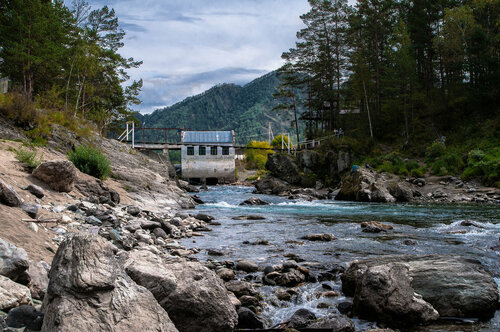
208 166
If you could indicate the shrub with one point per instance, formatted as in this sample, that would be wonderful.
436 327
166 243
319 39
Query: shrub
417 172
276 142
436 150
90 161
485 165
257 158
29 158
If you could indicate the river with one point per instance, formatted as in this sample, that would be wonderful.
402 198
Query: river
434 229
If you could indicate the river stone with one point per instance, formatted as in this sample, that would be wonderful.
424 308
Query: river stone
289 279
374 227
455 286
13 262
225 274
254 201
204 217
89 291
60 175
247 266
247 319
384 294
193 296
301 318
13 294
334 323
240 288
365 186
9 196
319 237
271 186
25 316
35 190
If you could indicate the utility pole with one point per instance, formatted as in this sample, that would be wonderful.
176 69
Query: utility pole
270 133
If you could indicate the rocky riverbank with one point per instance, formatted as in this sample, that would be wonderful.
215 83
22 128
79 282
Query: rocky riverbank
288 177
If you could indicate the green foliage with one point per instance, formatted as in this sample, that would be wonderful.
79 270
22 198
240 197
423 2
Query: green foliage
276 142
484 165
256 154
259 174
443 160
29 158
395 164
90 161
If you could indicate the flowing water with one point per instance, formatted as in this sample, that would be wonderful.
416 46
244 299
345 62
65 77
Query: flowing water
434 229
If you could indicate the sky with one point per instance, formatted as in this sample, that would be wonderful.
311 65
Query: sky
188 46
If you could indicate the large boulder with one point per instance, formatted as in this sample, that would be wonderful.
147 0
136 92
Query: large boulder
89 291
92 187
384 293
334 323
25 316
9 196
269 185
193 296
364 186
309 161
283 167
13 262
13 294
454 286
60 175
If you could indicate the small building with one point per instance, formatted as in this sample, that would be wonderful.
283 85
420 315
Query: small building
208 157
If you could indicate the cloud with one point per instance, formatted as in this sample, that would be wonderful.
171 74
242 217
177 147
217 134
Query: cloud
190 46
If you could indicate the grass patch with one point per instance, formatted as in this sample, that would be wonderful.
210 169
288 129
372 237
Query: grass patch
28 158
90 161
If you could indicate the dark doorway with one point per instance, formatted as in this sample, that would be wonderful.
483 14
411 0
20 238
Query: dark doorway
212 181
195 181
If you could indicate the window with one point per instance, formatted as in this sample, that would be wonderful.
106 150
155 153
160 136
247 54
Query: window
202 151
213 150
225 150
190 151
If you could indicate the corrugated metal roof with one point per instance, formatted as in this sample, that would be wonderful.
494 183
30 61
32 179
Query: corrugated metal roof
207 137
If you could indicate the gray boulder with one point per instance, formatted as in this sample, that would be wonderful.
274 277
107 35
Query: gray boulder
13 262
365 186
247 319
284 167
309 161
269 185
193 296
454 286
8 195
30 209
254 201
89 291
384 294
247 265
301 318
60 175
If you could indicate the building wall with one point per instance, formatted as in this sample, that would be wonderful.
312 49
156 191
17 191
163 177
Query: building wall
208 166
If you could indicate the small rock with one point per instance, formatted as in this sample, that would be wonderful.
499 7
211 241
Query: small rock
301 319
375 227
25 316
249 217
247 319
319 237
225 274
283 295
204 217
13 294
268 269
409 242
114 235
160 233
248 301
234 300
247 266
35 190
93 221
133 210
254 201
65 219
9 196
290 265
72 207
345 307
33 227
213 252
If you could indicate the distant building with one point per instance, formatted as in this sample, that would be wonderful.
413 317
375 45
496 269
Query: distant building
4 84
208 156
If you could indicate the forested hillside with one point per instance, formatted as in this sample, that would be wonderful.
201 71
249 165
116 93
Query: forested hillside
245 109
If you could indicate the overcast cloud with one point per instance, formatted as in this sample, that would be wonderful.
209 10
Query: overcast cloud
189 46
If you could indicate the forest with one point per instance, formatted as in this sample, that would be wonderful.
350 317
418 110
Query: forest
418 78
63 65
